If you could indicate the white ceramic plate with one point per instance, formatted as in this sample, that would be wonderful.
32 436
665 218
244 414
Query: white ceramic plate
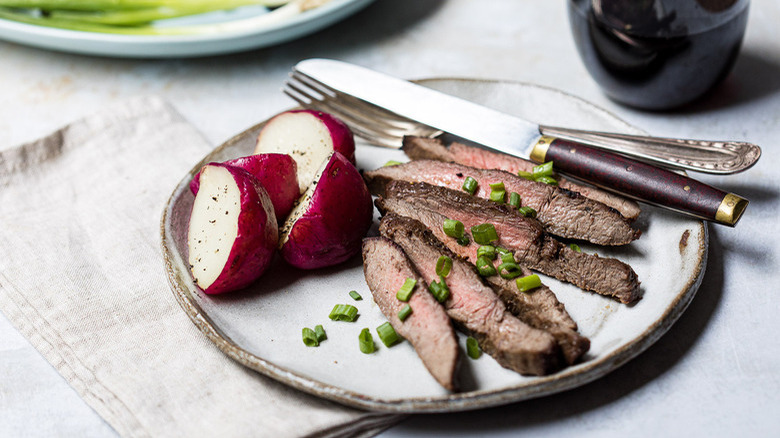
261 326
259 27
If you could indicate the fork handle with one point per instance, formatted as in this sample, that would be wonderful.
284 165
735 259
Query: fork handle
716 157
639 180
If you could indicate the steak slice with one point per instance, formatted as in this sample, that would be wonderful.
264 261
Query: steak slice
428 328
561 212
473 305
533 248
421 148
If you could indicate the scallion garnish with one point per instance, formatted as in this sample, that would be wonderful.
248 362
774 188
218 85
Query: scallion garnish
366 341
485 267
527 212
320 333
309 337
498 196
529 282
443 266
488 251
463 240
387 334
575 247
406 290
514 200
405 312
453 228
526 175
509 270
355 296
439 290
344 312
470 185
392 163
497 186
502 251
484 233
547 180
541 170
472 348
507 257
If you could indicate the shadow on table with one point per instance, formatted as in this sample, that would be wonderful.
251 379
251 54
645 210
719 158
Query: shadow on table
642 370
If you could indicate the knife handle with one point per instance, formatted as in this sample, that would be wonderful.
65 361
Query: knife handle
638 180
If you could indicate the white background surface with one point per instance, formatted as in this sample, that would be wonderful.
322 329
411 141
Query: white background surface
715 373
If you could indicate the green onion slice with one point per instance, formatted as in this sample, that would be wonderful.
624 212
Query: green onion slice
484 233
440 291
488 251
485 267
509 270
527 212
405 312
406 290
320 333
355 296
529 282
463 240
366 341
547 180
470 185
498 196
387 334
507 257
575 247
541 170
472 348
309 337
453 228
392 163
443 266
497 186
514 200
344 312
526 175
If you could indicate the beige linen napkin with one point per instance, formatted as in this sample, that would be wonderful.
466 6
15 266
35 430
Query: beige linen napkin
82 277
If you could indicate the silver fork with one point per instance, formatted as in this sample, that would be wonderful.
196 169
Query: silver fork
383 128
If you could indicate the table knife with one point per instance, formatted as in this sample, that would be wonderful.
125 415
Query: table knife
515 136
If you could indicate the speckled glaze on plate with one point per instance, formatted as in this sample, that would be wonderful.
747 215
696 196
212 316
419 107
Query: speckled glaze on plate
260 327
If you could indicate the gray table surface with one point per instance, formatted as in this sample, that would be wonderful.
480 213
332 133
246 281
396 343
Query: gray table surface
715 373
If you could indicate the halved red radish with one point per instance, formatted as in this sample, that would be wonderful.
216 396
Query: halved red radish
232 232
309 137
331 219
277 173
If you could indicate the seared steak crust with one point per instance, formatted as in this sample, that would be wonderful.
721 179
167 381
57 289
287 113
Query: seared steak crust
533 248
428 328
421 148
560 211
473 305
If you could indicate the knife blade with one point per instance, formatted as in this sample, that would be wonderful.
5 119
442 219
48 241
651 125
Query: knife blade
515 136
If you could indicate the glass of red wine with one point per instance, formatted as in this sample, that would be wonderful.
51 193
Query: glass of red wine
658 54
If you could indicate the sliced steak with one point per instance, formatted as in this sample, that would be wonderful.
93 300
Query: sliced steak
561 211
532 247
428 328
473 305
419 148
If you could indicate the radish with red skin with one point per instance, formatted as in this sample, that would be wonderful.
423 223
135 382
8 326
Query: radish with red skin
277 173
328 224
232 232
309 137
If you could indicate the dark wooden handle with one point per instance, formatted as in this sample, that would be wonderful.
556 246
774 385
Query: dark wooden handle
642 181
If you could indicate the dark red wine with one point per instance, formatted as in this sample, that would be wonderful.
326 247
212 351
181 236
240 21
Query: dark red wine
658 54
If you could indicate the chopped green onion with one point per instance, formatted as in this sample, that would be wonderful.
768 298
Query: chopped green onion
488 251
464 240
443 266
472 348
526 175
344 312
497 186
392 163
514 200
509 270
406 290
320 332
366 341
387 334
355 296
498 192
527 212
502 251
545 169
405 312
575 247
508 257
309 337
547 180
485 267
484 233
470 185
439 290
453 228
529 282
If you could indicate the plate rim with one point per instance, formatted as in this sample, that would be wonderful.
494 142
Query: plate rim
566 379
